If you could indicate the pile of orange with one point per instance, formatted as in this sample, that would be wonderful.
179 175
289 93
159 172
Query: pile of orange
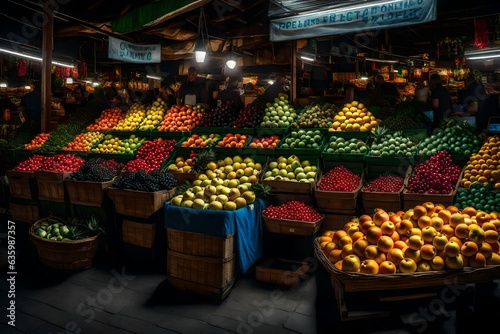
84 141
107 120
180 119
200 140
232 140
37 142
484 166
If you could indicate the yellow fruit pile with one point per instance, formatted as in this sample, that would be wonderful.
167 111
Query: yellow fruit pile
428 237
484 166
134 116
355 117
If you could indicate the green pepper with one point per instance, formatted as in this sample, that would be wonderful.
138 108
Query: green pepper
41 233
64 230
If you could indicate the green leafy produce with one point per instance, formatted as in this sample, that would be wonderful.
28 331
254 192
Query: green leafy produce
407 115
57 229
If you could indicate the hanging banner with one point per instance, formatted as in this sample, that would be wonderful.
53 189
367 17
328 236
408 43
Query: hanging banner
355 18
134 53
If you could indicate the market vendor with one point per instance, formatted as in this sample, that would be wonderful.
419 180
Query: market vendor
32 105
193 91
232 93
440 100
276 88
475 101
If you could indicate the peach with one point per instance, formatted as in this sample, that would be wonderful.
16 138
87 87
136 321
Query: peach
329 247
448 230
419 211
351 263
460 242
387 267
485 249
490 236
413 254
415 242
373 234
428 233
350 224
395 236
493 260
462 230
429 207
428 252
445 215
469 248
388 228
407 265
347 250
437 263
369 266
380 257
404 226
371 251
454 262
437 223
395 255
380 217
359 246
455 219
385 243
488 226
452 249
366 225
453 209
424 266
335 255
344 241
477 260
400 244
439 241
469 210
424 221
338 265
337 235
357 235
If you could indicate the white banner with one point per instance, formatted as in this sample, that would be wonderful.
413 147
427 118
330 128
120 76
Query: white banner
134 53
367 16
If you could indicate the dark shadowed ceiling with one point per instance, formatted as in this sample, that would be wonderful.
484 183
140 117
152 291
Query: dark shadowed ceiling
81 28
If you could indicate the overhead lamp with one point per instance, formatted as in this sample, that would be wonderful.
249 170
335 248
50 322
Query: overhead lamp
95 82
382 60
69 80
54 62
27 87
483 53
308 57
199 49
153 77
231 59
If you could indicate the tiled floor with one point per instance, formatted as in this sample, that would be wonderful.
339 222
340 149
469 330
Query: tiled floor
118 297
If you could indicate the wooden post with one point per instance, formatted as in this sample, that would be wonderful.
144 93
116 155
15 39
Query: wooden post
47 46
293 75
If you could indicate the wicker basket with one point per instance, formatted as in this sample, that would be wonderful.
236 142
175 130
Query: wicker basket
65 255
281 272
345 282
51 185
22 184
200 244
209 271
294 227
86 192
139 234
141 204
25 213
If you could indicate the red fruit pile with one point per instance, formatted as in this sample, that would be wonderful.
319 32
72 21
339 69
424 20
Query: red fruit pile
339 178
62 163
438 175
31 164
384 184
293 210
220 116
249 117
151 155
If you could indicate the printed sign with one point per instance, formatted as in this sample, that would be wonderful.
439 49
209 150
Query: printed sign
369 15
134 53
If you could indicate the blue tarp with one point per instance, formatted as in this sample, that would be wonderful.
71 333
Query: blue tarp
245 223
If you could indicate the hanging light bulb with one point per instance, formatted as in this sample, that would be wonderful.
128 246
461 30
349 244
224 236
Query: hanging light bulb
231 60
199 51
69 80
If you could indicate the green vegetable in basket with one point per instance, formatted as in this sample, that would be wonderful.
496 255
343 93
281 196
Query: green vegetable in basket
64 230
41 233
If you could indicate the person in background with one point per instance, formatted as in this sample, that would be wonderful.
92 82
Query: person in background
383 87
276 88
475 101
32 105
213 91
423 92
171 92
232 93
193 91
97 100
440 100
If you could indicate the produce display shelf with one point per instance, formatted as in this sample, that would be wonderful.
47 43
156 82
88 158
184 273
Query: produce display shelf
116 156
81 154
323 131
458 159
180 177
127 134
281 271
344 202
364 136
170 134
22 184
354 157
309 152
272 131
389 161
245 150
292 227
248 131
210 129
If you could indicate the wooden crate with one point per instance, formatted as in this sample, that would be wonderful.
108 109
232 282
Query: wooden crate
22 184
141 204
139 234
208 271
281 271
51 185
200 289
337 201
410 200
200 244
294 227
25 213
278 198
86 192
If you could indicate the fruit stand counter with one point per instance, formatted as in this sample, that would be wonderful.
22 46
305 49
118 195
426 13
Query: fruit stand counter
246 223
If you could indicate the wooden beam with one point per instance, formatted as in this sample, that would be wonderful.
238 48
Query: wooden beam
47 46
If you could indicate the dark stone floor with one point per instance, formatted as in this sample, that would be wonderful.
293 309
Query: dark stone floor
126 291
